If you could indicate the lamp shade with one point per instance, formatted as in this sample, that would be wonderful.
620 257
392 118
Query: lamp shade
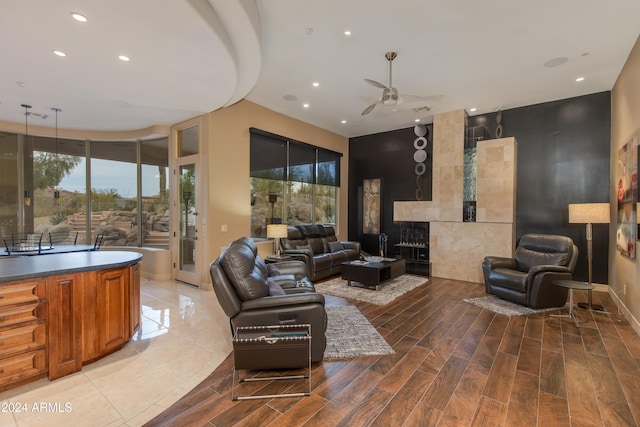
589 213
277 230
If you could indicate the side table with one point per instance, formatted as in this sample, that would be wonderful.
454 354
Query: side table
571 285
270 348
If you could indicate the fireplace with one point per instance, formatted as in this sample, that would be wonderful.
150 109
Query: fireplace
414 247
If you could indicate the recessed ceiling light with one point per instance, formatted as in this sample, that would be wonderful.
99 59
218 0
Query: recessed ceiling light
347 33
579 79
316 84
343 121
305 105
124 58
79 17
416 120
473 110
59 53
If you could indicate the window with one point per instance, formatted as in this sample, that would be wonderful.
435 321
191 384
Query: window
291 182
59 187
116 209
155 193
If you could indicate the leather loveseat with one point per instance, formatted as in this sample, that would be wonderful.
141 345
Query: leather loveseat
527 278
319 248
243 284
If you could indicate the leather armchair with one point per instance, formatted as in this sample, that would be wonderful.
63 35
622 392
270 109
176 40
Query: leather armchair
240 280
527 278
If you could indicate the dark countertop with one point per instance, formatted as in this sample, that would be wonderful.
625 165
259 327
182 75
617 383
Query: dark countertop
29 267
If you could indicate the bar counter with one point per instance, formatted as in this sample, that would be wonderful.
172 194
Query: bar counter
59 312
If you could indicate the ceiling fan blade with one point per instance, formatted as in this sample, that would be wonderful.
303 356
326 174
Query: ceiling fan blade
375 83
413 98
369 108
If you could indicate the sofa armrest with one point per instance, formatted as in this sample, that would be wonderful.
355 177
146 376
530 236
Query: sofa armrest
283 301
493 262
304 255
551 268
352 245
296 267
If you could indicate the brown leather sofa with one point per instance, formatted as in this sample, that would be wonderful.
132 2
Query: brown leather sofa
319 248
243 285
527 278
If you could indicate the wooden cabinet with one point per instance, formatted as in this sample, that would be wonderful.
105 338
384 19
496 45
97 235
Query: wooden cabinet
58 323
65 324
107 311
22 331
113 312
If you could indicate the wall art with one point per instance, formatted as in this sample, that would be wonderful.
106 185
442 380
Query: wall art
627 196
371 194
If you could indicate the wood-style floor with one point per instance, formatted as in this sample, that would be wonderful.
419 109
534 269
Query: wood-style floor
455 365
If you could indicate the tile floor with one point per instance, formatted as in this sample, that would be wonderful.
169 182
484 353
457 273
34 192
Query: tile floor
184 337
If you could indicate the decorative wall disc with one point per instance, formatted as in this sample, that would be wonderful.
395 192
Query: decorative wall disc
420 143
499 124
420 156
420 130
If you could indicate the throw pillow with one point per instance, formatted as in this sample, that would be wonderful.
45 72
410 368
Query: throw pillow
275 289
273 270
335 246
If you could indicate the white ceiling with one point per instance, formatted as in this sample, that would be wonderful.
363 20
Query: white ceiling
189 57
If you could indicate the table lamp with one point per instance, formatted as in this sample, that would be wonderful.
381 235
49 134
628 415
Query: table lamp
590 213
276 231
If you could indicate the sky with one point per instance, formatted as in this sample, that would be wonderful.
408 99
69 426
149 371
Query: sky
107 174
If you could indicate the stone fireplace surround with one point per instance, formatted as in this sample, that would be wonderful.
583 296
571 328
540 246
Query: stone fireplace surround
451 239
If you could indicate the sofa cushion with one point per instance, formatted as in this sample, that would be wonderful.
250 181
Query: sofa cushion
305 247
238 262
312 230
322 262
537 249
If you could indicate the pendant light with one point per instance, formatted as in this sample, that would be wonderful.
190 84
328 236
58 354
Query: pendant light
56 192
27 195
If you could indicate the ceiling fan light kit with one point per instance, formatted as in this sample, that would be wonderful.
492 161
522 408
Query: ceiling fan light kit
390 96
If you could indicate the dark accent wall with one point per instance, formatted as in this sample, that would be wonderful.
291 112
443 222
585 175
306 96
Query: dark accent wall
563 157
389 156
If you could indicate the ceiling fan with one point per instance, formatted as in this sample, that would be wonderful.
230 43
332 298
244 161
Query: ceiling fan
390 95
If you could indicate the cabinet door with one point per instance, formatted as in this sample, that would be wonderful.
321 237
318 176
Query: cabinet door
135 299
113 308
64 324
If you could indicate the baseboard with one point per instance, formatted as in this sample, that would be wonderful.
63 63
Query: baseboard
625 311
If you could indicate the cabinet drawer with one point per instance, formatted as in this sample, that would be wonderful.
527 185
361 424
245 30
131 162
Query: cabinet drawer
21 313
23 338
21 366
21 292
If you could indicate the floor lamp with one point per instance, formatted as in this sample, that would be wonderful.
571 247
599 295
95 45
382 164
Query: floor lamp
590 213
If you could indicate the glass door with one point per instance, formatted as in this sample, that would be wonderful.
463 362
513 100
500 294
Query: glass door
188 221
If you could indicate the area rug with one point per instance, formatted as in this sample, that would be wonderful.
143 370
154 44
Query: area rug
388 292
349 334
505 308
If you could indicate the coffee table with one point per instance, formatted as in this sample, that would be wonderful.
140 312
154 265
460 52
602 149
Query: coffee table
372 274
